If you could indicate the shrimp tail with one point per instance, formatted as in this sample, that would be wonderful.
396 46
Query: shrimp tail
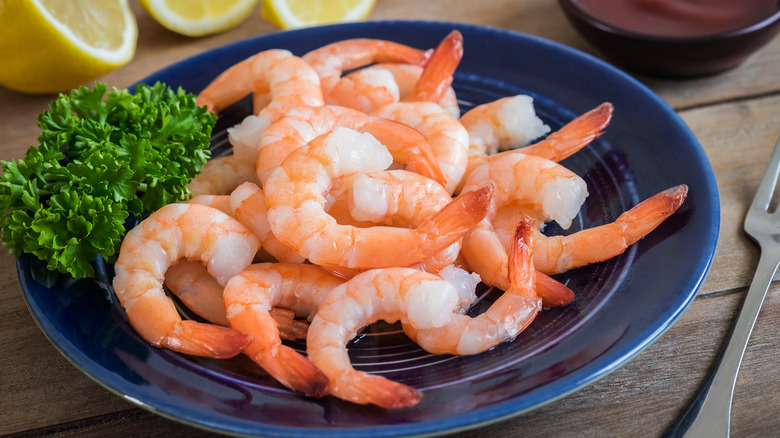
294 371
456 219
289 327
573 136
520 268
419 155
364 388
650 213
206 340
436 77
561 253
553 292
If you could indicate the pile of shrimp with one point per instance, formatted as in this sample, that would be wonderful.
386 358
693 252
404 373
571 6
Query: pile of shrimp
357 192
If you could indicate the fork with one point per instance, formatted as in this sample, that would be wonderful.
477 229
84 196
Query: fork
709 413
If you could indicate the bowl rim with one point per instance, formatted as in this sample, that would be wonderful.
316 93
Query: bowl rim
573 7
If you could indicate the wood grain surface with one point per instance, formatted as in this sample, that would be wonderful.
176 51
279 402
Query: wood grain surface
736 117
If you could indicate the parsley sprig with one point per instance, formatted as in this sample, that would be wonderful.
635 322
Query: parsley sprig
100 158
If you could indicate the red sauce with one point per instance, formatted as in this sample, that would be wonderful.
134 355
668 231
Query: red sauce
680 17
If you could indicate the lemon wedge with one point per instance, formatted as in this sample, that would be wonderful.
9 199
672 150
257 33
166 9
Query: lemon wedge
48 46
196 18
291 14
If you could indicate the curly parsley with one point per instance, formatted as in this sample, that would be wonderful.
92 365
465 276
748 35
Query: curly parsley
99 159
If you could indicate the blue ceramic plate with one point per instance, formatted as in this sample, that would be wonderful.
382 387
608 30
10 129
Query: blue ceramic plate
622 305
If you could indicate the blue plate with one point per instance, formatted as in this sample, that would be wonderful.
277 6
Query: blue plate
622 305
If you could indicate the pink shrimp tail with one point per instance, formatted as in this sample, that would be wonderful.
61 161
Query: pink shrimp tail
560 253
553 292
521 271
420 158
289 327
294 371
650 213
436 77
573 136
455 220
207 340
365 388
230 86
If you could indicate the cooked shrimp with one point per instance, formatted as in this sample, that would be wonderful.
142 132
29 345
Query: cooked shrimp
331 60
173 232
220 202
249 297
247 202
503 124
365 90
487 254
296 199
544 189
447 137
221 175
191 282
437 75
530 185
287 80
301 125
406 77
510 314
499 125
379 294
394 198
282 80
373 87
556 254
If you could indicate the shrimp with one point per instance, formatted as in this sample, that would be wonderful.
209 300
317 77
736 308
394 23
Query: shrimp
436 77
283 81
509 315
221 175
509 124
286 79
331 60
373 87
503 124
544 189
394 198
249 297
303 124
379 294
557 254
173 232
220 202
191 282
365 90
532 185
248 204
405 78
447 137
296 199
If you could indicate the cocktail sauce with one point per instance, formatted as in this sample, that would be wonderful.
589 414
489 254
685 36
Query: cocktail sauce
680 17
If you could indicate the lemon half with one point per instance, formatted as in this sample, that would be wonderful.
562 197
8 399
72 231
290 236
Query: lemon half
290 14
198 17
48 46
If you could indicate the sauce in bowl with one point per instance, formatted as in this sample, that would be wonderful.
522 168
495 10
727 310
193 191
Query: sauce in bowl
680 17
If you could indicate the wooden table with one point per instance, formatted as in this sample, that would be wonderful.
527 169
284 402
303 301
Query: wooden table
735 115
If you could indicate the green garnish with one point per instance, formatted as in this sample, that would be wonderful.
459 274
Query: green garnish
100 158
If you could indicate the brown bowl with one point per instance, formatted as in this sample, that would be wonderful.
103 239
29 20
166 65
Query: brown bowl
672 56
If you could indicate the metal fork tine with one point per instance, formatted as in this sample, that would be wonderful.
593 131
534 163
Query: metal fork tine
767 187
